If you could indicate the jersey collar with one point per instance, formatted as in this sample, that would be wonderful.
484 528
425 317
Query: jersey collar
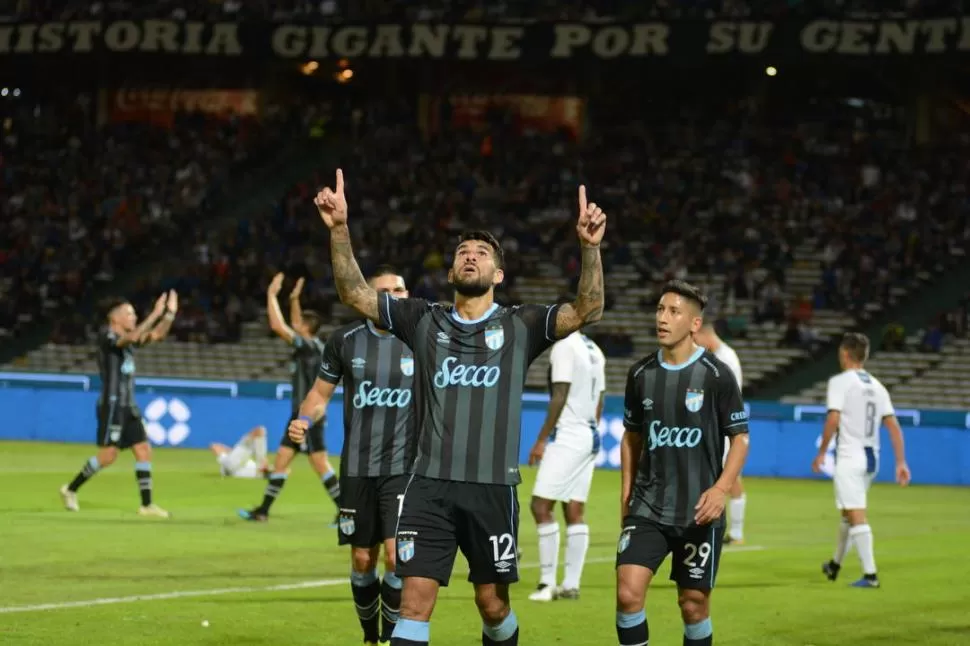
488 312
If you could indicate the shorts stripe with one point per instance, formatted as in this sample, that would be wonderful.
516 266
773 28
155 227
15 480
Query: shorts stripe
400 508
512 531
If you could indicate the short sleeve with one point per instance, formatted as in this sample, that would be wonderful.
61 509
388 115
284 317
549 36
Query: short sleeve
540 322
835 395
633 402
887 404
731 416
109 340
332 363
561 363
401 315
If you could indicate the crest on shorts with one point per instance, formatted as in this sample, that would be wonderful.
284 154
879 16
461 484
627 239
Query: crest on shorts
347 525
407 366
494 338
694 400
405 550
623 543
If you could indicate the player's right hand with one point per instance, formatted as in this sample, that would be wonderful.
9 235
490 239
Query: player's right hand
295 293
903 476
332 204
159 308
535 455
275 285
297 430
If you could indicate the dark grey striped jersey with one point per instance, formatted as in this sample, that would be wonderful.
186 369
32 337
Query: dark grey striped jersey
685 414
117 368
304 364
469 381
377 371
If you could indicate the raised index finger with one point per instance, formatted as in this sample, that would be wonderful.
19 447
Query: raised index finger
582 198
340 181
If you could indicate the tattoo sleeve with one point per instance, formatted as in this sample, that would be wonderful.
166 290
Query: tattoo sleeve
351 286
588 306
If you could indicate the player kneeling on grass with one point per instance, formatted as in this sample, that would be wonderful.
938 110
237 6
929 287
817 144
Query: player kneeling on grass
680 407
857 403
247 459
377 371
566 452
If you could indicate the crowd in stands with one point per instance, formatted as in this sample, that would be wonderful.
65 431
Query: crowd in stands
468 10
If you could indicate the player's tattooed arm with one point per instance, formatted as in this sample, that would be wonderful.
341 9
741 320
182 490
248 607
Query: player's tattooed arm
314 407
351 286
589 303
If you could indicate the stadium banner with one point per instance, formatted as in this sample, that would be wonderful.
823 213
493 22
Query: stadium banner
196 413
161 105
528 112
689 40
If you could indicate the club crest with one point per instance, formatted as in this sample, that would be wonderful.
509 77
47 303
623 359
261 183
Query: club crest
407 366
694 400
347 525
494 338
623 543
405 550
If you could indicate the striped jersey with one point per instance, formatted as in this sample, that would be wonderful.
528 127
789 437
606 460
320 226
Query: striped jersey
303 368
376 370
469 382
117 368
685 413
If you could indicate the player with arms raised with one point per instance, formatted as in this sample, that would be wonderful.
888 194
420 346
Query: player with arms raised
681 405
376 369
857 403
471 361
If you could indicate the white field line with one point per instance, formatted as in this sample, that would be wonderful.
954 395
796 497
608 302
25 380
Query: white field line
214 592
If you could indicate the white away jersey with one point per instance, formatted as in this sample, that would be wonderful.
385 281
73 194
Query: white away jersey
730 358
578 361
862 402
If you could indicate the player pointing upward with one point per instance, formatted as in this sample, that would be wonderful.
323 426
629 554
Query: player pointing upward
857 403
681 405
471 361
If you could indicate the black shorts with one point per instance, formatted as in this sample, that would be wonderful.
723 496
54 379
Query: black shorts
312 441
123 431
439 517
696 550
368 509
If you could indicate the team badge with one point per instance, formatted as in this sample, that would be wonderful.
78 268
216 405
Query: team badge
128 366
694 400
407 366
494 338
623 543
405 550
347 525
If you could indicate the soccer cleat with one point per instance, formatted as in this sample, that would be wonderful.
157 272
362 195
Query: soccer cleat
867 581
831 570
256 515
69 498
152 511
730 540
568 593
543 593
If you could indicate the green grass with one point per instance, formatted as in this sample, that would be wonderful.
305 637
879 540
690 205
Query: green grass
773 596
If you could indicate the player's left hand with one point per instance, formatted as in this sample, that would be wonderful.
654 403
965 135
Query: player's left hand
295 294
173 301
535 455
710 507
818 462
903 476
592 221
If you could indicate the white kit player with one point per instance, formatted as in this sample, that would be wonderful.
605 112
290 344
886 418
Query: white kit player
857 405
707 337
247 459
566 452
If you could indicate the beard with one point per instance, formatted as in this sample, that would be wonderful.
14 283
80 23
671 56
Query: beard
471 288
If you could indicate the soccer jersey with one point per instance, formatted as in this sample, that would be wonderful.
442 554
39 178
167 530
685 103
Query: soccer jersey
377 371
469 381
303 368
116 366
579 362
862 402
685 414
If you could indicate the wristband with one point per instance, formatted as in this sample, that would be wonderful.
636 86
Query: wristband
307 419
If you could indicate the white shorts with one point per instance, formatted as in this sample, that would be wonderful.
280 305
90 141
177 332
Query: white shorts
852 481
565 474
237 468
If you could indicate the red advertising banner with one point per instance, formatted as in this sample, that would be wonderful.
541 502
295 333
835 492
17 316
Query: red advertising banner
161 105
541 113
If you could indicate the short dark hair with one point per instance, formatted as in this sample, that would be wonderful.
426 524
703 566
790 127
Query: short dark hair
383 270
490 240
856 346
112 303
686 290
312 321
565 298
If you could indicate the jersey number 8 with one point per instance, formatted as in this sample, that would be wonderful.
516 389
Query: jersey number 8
870 419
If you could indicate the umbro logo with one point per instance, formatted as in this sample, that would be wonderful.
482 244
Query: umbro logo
648 404
443 338
325 365
358 362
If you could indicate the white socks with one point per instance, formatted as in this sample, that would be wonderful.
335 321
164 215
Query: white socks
577 543
259 449
861 537
842 547
736 512
548 553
